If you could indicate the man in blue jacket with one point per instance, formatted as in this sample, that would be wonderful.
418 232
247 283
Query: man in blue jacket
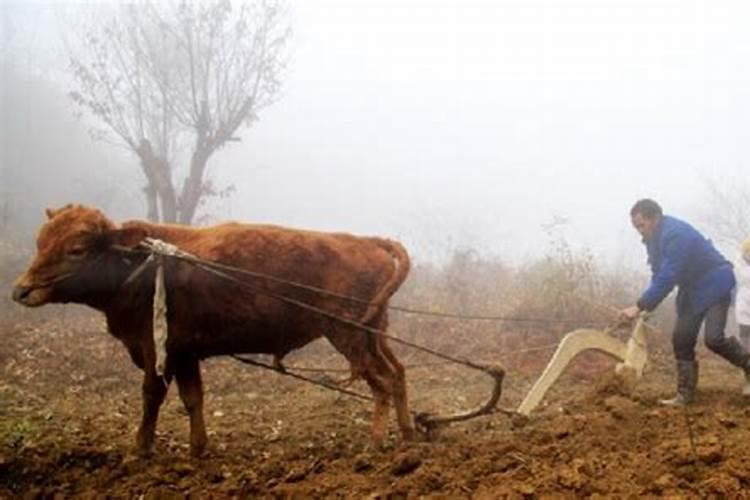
680 256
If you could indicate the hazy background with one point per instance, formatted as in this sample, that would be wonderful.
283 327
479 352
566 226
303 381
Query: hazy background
446 124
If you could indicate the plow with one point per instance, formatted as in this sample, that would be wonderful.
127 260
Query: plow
631 355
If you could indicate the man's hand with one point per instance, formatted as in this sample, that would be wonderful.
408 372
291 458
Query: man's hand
629 313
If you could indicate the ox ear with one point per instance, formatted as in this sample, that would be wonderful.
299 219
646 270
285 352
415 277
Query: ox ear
127 236
51 212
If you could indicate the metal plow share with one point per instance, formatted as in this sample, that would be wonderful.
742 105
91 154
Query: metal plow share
428 425
632 355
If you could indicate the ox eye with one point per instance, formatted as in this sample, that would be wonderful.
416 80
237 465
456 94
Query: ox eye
76 253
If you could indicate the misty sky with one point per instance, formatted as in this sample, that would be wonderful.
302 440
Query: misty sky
477 122
472 123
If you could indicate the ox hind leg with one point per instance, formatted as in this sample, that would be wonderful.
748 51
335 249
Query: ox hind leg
188 375
400 398
386 380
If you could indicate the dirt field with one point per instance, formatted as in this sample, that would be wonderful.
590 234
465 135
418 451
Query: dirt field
70 403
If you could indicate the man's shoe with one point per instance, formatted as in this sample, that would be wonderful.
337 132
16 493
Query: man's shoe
687 381
678 400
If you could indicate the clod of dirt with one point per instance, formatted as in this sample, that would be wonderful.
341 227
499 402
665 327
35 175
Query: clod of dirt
724 486
406 462
738 469
296 476
726 421
362 463
571 475
518 420
561 428
183 468
526 489
163 493
620 407
710 450
610 385
665 482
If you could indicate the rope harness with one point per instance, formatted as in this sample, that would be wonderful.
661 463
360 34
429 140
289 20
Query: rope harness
158 250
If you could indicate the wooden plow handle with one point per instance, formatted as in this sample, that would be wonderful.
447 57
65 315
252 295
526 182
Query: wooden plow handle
632 355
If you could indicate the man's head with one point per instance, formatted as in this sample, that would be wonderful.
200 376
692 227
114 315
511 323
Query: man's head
645 216
745 250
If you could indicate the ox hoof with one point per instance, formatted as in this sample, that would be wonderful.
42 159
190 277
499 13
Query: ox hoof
198 442
142 452
144 446
198 451
380 442
409 434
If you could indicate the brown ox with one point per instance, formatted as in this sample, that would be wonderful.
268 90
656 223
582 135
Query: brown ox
209 316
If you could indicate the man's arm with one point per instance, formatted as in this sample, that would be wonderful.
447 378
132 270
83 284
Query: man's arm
675 256
674 260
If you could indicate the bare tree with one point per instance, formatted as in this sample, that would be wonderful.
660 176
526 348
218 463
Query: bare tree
174 82
728 210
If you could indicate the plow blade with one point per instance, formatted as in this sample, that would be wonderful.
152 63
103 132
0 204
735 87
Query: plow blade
632 355
428 424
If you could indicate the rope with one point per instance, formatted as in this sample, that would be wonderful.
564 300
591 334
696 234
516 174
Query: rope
313 381
160 247
176 253
689 425
605 307
216 266
340 319
313 369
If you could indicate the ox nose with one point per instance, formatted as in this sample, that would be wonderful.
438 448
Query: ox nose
20 293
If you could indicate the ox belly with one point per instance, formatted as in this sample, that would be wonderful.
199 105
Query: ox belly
242 338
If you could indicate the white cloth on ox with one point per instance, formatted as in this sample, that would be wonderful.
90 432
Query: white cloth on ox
161 248
742 299
160 319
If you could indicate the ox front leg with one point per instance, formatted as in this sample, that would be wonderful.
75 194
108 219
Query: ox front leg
154 390
189 382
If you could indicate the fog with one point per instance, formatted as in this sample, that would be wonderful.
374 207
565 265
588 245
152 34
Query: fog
453 124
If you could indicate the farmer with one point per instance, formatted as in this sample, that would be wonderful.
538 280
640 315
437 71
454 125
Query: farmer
742 301
680 256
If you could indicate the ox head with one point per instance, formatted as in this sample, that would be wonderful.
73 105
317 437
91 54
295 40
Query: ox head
74 248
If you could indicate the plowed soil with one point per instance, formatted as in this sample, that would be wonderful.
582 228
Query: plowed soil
70 405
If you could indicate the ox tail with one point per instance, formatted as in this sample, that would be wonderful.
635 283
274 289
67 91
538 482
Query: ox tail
373 316
402 266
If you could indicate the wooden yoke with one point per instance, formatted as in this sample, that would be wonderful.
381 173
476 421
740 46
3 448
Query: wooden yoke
633 355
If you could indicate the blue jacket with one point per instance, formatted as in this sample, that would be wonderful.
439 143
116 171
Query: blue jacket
680 256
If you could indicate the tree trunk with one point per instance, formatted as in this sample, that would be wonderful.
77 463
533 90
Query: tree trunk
192 189
159 176
152 203
168 201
